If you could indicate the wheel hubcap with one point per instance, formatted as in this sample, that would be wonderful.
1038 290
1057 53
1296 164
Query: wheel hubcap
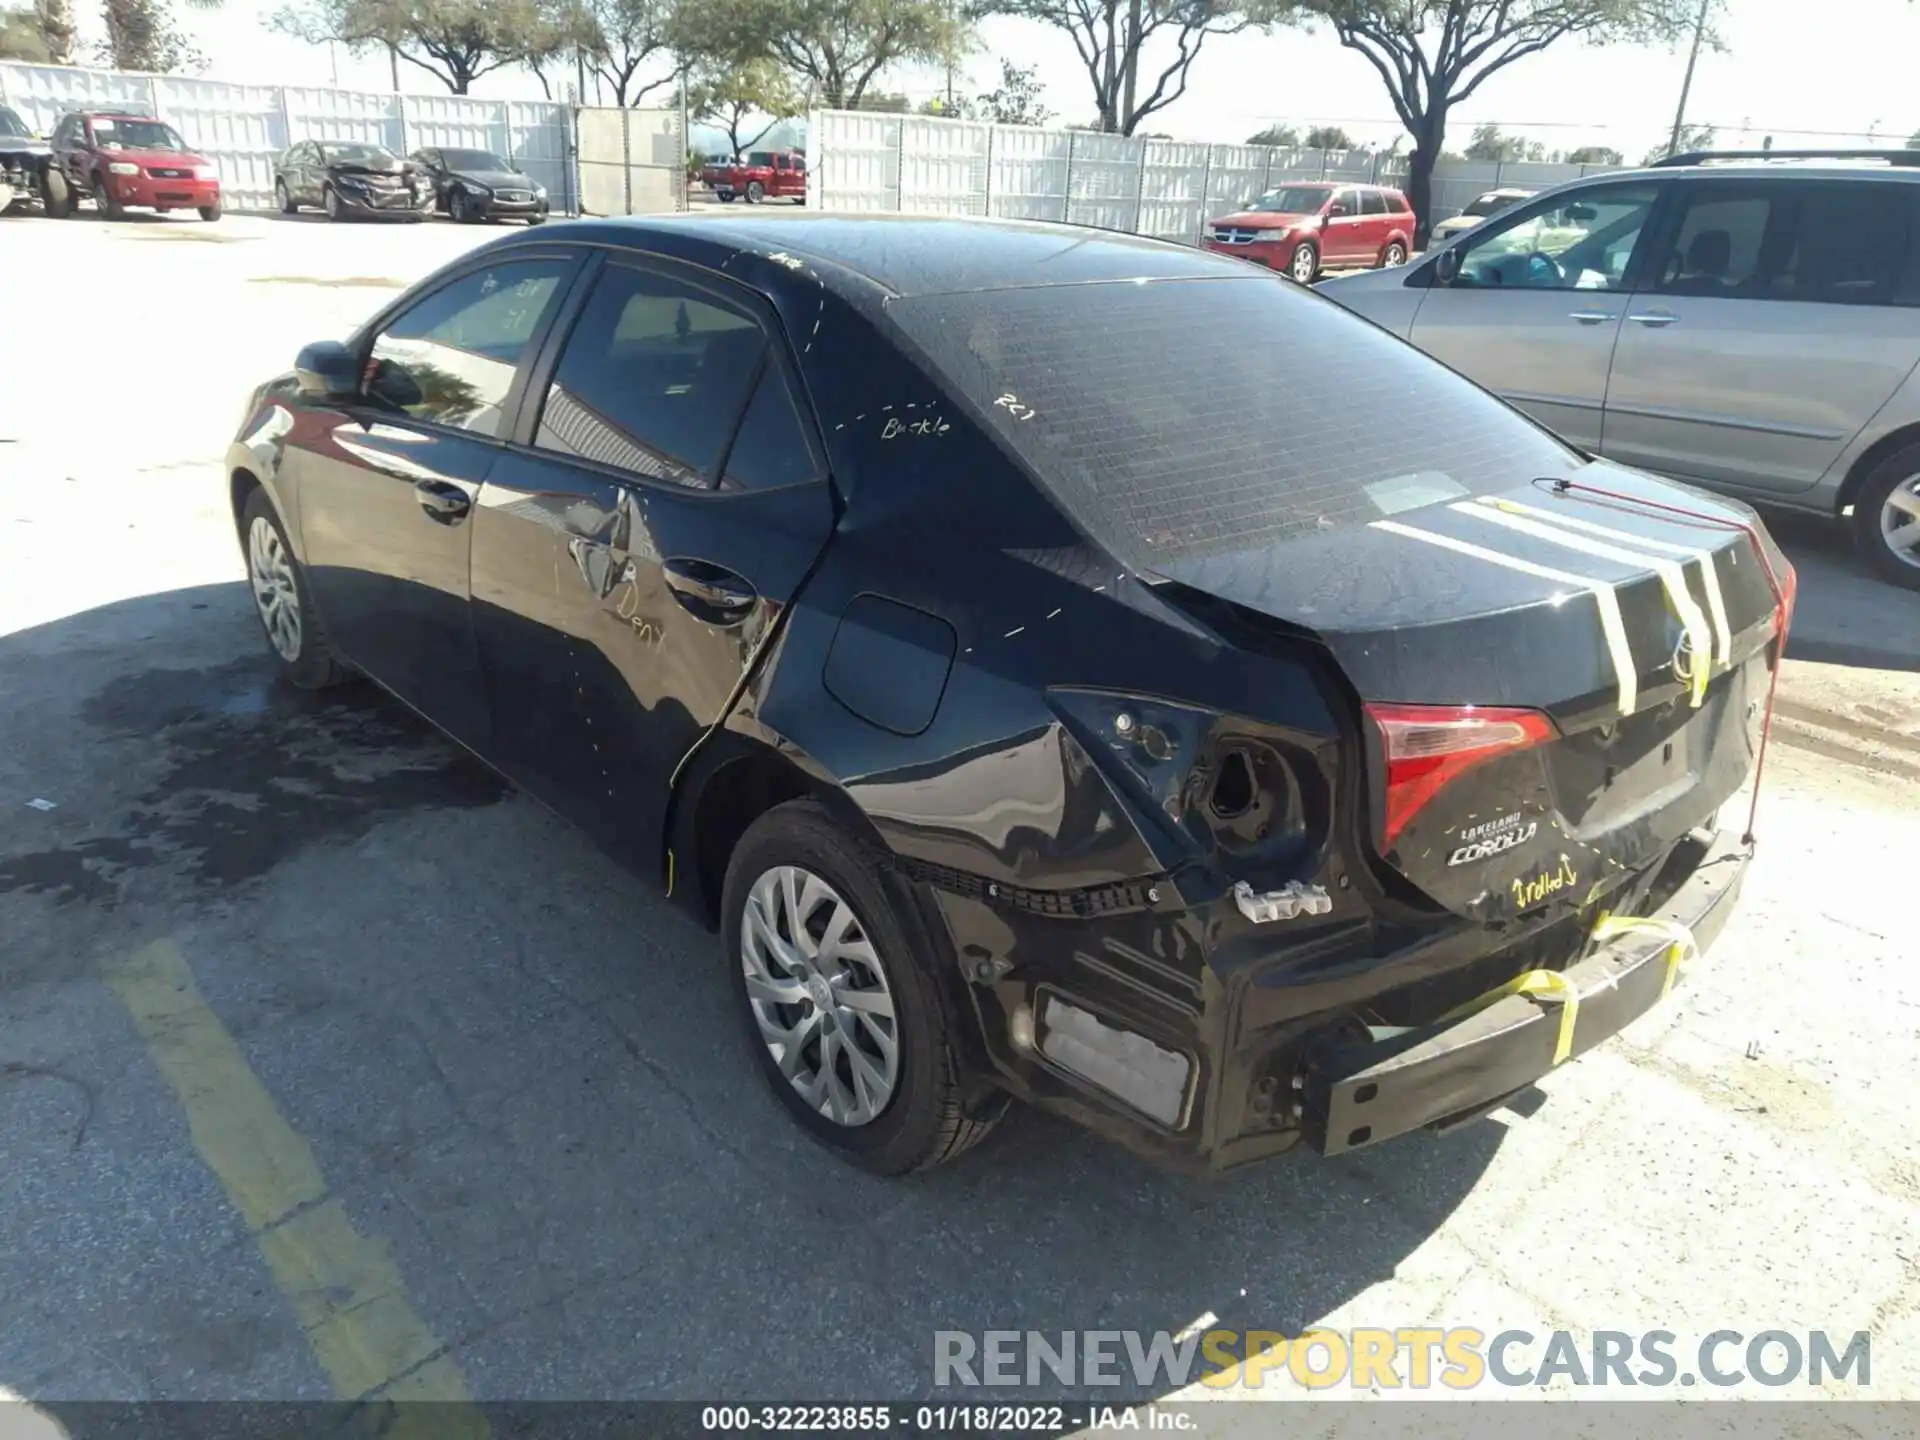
819 995
1900 521
274 593
1302 265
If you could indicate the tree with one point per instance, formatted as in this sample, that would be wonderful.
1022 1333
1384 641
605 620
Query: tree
141 35
1434 54
834 48
1692 137
941 108
1489 143
619 37
725 99
1596 155
1110 44
1283 137
455 41
21 38
1328 137
1017 100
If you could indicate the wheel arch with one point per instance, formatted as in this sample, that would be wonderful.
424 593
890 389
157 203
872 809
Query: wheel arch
1870 460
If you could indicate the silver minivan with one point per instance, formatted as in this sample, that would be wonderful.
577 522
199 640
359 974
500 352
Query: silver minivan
1753 328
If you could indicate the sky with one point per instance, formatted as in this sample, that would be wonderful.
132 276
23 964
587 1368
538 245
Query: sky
1832 72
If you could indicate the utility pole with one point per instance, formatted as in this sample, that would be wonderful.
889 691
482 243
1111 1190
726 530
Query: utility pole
1693 55
1133 63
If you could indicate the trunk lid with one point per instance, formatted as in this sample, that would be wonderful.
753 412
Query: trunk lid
1645 637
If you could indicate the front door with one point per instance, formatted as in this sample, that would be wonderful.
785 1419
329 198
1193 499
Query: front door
386 485
1535 306
1772 329
1343 229
631 557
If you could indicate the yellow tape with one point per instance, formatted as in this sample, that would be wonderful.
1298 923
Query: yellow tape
1681 946
1549 986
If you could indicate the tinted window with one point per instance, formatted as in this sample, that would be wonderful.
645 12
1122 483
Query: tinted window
1292 200
12 124
1346 201
652 378
1184 417
771 448
1372 202
1834 243
1581 241
451 358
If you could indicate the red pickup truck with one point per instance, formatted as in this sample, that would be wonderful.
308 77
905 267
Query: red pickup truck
763 175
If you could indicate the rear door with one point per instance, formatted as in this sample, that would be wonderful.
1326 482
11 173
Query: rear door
386 484
1375 223
1779 317
1535 307
634 549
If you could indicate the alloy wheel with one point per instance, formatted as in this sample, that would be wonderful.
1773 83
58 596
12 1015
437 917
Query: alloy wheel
1396 255
1900 521
1303 264
819 995
275 594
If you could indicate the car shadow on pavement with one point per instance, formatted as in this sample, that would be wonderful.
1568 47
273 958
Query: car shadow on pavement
522 1073
1845 615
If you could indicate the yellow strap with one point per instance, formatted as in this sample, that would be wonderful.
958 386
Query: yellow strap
1549 986
1681 946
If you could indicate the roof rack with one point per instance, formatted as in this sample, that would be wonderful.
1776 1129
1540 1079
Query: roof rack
1703 157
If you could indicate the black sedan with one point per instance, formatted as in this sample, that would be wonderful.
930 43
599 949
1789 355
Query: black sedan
1063 665
475 185
351 179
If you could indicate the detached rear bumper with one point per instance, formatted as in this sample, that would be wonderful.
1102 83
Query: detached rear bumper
1447 1073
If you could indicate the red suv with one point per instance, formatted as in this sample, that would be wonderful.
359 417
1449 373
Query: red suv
122 158
1303 227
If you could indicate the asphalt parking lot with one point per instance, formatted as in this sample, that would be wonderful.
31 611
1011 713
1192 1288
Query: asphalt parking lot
331 1067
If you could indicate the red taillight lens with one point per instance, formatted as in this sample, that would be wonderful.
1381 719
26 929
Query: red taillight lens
1430 746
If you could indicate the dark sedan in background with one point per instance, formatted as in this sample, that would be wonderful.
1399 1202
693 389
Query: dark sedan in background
474 185
349 179
1062 664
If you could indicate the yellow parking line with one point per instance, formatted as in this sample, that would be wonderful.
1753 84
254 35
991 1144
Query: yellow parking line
347 1293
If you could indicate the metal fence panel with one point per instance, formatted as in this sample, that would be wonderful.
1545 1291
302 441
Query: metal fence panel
632 162
539 141
319 113
1173 190
855 164
1027 173
943 166
455 120
42 93
1235 175
241 128
1103 185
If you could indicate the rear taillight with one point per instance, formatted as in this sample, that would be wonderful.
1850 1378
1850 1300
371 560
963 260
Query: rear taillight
1428 747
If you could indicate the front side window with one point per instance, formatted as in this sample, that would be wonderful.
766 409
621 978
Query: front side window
653 377
112 132
1581 241
450 359
1836 244
1373 203
1345 202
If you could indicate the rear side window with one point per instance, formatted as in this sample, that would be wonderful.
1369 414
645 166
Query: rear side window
1184 417
653 377
1831 243
1372 202
771 449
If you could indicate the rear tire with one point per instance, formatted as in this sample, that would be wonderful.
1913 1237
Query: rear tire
1305 264
56 194
1394 254
1888 502
284 604
923 1119
209 213
724 199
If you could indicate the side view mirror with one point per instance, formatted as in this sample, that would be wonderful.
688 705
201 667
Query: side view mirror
325 370
1446 266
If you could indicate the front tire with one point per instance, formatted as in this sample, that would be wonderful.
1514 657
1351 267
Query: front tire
285 197
1886 519
330 202
460 208
56 195
209 213
1305 263
842 1009
756 192
283 602
103 201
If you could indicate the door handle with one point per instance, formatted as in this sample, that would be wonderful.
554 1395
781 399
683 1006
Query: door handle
1591 317
1654 319
442 501
709 592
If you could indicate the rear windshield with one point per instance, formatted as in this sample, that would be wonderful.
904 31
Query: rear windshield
1182 418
